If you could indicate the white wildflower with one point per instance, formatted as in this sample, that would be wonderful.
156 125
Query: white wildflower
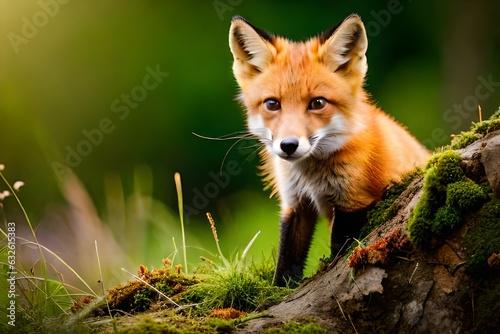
17 185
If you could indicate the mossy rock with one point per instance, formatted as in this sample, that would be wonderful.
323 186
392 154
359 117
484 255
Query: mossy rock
448 195
483 238
476 132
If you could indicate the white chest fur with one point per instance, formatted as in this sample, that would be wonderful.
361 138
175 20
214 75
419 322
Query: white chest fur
310 180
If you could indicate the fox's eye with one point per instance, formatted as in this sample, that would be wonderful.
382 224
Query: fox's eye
317 103
272 104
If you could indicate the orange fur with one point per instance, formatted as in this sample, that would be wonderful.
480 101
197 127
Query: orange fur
328 148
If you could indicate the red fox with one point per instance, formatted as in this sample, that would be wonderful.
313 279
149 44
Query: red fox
329 150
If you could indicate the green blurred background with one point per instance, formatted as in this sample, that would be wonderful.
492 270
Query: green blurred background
65 66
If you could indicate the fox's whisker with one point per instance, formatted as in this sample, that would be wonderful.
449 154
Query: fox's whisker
230 136
237 135
259 147
229 150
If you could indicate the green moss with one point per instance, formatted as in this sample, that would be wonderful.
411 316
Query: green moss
465 196
443 169
164 287
385 210
483 238
135 298
477 131
447 196
142 299
176 324
446 219
293 327
221 325
488 309
170 325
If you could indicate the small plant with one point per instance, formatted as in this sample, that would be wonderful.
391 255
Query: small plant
235 283
39 293
178 186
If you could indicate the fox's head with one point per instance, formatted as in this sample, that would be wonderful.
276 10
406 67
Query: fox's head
301 97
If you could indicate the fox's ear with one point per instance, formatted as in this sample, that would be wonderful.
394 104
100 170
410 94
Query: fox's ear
251 47
344 47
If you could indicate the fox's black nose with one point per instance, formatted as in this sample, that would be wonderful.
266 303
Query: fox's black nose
289 145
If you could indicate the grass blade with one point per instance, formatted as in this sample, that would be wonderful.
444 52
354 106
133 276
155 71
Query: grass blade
178 186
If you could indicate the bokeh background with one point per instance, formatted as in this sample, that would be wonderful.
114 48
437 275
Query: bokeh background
71 68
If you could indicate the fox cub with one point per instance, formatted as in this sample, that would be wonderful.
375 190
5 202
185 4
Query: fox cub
329 150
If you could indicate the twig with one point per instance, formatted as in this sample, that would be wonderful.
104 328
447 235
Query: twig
413 273
351 274
473 309
337 256
340 307
352 324
458 266
113 322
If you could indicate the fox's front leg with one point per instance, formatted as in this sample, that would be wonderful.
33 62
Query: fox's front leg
296 231
346 225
